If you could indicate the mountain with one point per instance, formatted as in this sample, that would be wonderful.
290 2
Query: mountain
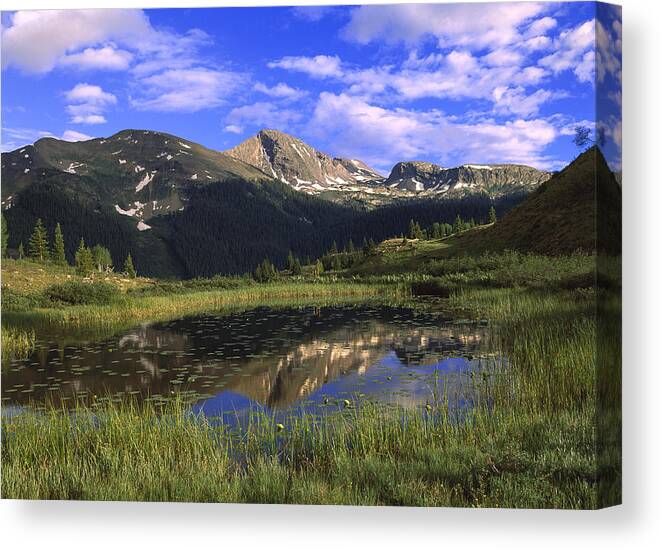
493 179
183 210
352 182
292 161
141 173
578 208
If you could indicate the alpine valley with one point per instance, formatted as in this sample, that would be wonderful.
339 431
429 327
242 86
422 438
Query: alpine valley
183 210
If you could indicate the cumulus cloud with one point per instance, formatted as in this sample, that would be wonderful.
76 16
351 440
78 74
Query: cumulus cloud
105 58
474 26
185 90
382 136
87 103
261 114
280 91
35 41
320 66
570 50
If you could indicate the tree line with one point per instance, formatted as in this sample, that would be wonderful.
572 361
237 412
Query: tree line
86 259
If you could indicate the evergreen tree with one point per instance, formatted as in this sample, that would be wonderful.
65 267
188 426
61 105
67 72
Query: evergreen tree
296 268
266 271
350 247
458 225
336 264
84 259
129 269
492 215
58 246
333 248
102 258
21 251
5 236
412 231
38 243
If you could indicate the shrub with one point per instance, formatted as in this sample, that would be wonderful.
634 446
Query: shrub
82 293
13 301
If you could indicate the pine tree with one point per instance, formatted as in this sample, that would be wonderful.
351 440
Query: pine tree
333 248
458 225
412 232
84 259
296 269
318 268
350 247
492 215
5 236
58 246
21 251
129 269
38 243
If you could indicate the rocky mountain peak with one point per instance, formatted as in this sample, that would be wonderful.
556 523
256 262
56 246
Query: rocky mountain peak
494 179
296 163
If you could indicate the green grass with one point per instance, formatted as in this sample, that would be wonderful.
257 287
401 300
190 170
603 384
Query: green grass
536 444
409 457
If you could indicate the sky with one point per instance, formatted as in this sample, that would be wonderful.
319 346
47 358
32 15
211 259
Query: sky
444 83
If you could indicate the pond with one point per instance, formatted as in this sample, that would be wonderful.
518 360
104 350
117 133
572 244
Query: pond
281 360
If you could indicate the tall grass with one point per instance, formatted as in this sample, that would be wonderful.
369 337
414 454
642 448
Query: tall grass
17 343
133 309
366 457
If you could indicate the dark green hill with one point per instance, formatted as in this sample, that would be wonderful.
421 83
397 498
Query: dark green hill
561 216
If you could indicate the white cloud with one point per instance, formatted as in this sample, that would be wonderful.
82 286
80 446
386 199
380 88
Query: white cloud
233 128
280 91
72 135
262 115
570 48
36 40
87 93
383 136
87 103
320 66
474 26
541 26
105 58
186 90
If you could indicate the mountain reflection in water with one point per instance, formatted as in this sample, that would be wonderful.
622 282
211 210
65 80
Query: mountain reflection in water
276 358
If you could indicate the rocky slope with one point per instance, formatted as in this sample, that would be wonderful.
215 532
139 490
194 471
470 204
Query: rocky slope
294 162
493 179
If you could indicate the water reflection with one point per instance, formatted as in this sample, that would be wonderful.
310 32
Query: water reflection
275 358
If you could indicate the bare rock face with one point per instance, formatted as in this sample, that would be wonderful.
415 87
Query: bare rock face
292 161
493 179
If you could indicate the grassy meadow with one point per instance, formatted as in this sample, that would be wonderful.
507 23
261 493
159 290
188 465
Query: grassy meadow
535 442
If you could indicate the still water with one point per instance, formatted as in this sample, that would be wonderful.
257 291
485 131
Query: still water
280 360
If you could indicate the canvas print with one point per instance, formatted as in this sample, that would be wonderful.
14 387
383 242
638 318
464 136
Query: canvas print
352 255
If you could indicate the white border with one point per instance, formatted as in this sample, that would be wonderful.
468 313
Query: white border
635 524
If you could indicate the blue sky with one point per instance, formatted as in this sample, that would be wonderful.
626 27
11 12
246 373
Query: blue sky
446 83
